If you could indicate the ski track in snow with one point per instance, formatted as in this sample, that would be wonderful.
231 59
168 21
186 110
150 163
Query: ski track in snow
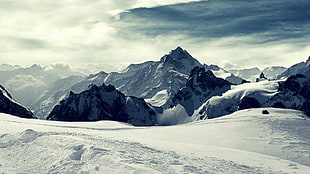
82 153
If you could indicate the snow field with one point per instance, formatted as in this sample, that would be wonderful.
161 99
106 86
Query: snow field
243 142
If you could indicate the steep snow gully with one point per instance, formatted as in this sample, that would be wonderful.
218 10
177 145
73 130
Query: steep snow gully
244 142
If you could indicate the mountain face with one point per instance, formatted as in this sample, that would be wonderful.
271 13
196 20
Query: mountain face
104 103
252 74
273 72
9 106
201 86
150 79
293 93
155 81
248 74
55 92
222 73
299 68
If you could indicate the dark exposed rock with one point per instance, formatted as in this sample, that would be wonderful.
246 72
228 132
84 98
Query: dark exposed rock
104 103
248 102
294 93
265 112
201 85
9 106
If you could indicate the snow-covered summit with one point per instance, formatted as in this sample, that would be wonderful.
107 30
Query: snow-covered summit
178 53
104 103
9 106
180 59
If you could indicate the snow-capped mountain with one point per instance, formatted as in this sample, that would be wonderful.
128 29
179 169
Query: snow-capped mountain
9 106
222 73
201 86
299 68
248 74
273 72
29 83
292 93
230 100
150 79
155 81
251 74
104 103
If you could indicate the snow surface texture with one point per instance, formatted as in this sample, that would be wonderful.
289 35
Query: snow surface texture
243 142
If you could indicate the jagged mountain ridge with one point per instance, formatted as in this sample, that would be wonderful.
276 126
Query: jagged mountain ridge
200 86
56 92
104 103
144 80
155 81
9 106
299 68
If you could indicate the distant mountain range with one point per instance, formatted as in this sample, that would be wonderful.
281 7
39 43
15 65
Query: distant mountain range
177 88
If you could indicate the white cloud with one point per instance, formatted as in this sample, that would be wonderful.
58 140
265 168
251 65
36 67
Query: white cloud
80 32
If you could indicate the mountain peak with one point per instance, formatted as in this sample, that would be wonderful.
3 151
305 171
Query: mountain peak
179 53
180 59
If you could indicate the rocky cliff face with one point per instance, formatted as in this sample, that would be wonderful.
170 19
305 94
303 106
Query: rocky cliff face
9 106
294 93
104 103
200 87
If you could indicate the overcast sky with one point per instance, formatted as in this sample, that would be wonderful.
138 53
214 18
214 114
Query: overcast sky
239 33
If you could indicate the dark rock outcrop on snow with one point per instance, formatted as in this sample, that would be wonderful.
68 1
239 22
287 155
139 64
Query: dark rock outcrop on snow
104 103
248 102
9 106
201 85
294 93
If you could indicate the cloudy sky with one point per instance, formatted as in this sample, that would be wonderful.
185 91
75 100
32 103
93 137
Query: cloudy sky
238 33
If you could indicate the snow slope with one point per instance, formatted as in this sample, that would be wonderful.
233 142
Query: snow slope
243 142
299 68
